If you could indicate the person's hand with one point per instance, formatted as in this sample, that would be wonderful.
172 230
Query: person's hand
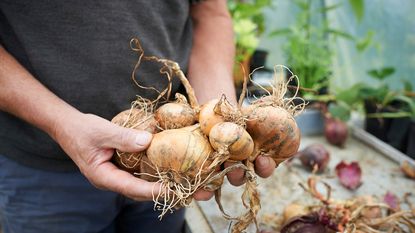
90 142
264 167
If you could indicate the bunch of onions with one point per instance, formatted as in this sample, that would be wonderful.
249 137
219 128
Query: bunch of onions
190 142
224 124
180 156
358 214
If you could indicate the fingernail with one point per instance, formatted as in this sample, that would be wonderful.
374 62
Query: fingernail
143 138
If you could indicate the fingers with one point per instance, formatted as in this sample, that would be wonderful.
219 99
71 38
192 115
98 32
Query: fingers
264 166
202 195
107 176
235 177
129 140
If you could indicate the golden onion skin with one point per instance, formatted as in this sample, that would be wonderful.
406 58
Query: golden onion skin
175 116
233 138
182 151
274 131
207 116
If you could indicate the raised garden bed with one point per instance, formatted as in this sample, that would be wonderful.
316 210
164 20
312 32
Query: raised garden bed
381 173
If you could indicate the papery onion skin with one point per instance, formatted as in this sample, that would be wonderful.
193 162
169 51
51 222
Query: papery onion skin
180 151
136 119
293 210
147 171
306 223
175 116
369 212
274 131
233 138
349 174
139 120
207 116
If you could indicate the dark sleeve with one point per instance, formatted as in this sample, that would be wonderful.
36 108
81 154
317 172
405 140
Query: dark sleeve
194 1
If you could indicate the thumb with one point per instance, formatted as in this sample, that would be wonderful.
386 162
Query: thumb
130 140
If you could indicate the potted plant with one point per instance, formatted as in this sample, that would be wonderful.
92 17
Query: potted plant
409 99
387 112
307 50
248 24
309 56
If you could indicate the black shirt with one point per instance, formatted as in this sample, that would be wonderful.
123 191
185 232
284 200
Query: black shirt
80 50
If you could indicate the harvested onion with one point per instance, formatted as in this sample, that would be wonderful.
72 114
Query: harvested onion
229 137
175 115
270 120
314 156
181 152
274 131
335 131
207 116
138 119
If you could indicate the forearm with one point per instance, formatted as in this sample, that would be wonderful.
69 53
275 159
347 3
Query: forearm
212 57
25 97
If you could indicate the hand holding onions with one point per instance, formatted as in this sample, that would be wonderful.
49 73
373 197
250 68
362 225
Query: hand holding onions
191 142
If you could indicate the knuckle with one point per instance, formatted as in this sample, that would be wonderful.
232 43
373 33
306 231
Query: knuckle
126 138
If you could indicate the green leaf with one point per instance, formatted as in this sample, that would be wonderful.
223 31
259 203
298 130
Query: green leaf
364 43
340 110
387 71
381 74
336 32
358 8
409 101
321 98
389 115
282 31
351 95
388 98
329 8
407 86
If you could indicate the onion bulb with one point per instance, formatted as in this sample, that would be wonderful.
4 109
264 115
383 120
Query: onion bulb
138 119
274 131
293 210
335 131
228 137
207 116
181 152
314 156
175 115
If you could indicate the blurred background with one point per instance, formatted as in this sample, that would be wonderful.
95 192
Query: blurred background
355 60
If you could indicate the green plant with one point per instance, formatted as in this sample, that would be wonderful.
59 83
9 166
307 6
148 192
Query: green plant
307 49
380 96
248 23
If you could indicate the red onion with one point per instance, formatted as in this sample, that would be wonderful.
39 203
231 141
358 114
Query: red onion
350 175
335 131
316 222
314 155
392 201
